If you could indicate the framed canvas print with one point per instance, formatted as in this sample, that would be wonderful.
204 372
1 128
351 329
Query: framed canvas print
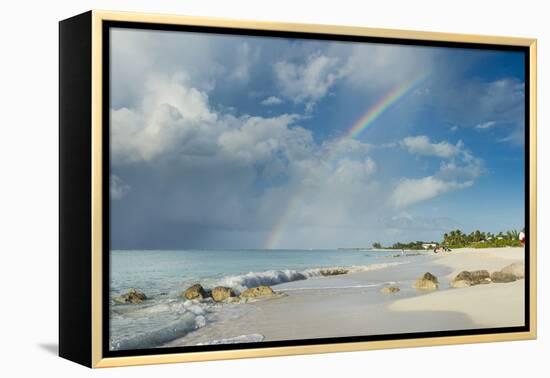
235 189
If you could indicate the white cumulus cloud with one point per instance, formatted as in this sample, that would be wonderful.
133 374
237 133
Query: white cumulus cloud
309 81
411 191
458 169
421 145
272 100
170 113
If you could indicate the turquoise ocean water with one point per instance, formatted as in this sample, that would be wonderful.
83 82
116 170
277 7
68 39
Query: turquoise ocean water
164 275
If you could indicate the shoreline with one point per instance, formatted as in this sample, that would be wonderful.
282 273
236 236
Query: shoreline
351 304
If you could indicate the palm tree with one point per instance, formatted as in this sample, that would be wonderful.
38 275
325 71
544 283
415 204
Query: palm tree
512 235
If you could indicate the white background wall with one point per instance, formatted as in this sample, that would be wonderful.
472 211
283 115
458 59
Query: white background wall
28 174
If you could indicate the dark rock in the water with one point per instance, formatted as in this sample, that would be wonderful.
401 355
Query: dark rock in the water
427 282
221 293
132 296
195 292
389 290
517 269
260 291
501 277
466 278
334 272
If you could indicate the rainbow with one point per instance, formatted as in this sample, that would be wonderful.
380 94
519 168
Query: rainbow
280 227
382 105
358 127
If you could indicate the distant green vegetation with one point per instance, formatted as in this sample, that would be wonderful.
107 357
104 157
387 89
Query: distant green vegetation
478 239
411 245
458 239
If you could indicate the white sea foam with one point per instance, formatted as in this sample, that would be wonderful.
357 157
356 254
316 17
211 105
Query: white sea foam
200 321
155 336
274 277
154 325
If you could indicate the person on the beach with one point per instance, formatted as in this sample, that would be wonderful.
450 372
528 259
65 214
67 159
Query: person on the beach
522 238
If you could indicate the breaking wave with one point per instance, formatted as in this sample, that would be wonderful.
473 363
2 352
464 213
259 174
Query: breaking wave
273 277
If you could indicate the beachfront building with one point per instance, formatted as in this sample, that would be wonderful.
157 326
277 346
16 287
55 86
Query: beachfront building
429 245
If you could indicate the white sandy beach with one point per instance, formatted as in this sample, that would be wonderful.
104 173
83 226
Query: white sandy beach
494 305
351 304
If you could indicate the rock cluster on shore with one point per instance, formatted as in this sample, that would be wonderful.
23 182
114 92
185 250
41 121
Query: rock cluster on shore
222 293
196 291
509 273
132 296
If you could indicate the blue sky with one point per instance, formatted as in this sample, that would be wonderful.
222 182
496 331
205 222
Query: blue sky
240 142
